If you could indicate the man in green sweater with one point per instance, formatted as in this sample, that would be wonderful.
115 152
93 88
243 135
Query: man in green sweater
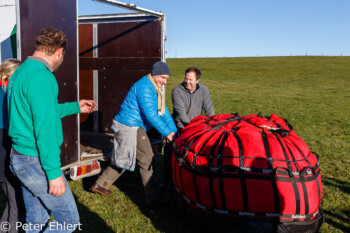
36 130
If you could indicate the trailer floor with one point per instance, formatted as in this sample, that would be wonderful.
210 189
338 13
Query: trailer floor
95 143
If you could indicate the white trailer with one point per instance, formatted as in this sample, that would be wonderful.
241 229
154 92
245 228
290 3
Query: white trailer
7 29
103 51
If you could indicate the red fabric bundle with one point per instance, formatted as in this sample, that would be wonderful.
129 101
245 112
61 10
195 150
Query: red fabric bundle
253 166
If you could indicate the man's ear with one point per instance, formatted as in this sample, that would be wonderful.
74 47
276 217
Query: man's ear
60 52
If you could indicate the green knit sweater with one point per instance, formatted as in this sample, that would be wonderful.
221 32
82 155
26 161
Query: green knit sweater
35 115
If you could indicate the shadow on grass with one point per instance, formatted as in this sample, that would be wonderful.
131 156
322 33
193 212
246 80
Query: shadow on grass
342 185
164 219
334 219
331 217
90 221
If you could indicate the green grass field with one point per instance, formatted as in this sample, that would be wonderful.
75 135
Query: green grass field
312 93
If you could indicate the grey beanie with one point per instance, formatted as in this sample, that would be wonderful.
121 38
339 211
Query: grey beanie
160 68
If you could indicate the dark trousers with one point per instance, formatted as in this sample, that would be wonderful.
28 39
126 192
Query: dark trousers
144 156
14 211
167 172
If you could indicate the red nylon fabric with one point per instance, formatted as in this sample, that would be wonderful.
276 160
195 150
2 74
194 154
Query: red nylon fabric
247 165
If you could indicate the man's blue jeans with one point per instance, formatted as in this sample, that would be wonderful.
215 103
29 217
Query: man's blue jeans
39 203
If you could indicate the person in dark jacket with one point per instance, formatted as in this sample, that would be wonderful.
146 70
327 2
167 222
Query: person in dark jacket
14 210
143 108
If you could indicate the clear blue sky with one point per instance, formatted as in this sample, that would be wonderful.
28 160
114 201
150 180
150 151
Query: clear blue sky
234 28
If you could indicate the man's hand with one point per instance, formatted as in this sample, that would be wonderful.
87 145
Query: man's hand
57 186
170 137
87 106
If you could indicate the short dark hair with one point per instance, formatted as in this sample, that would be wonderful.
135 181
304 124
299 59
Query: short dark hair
49 40
195 70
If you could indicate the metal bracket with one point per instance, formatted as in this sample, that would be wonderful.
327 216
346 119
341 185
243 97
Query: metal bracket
131 6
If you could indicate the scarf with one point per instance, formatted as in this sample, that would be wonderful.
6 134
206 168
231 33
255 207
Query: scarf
161 100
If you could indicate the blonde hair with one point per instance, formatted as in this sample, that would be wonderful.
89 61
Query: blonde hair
7 68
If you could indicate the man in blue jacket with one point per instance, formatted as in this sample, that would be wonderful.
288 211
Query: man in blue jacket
143 108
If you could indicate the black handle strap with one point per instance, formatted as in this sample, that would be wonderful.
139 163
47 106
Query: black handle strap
228 120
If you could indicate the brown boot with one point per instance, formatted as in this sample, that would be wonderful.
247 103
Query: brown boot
98 189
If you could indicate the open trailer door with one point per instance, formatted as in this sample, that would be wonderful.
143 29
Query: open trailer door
33 15
114 52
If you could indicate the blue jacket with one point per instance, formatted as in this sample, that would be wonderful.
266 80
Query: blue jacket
3 110
140 108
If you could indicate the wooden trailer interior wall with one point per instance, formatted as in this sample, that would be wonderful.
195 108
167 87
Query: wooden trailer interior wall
126 51
62 15
86 76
